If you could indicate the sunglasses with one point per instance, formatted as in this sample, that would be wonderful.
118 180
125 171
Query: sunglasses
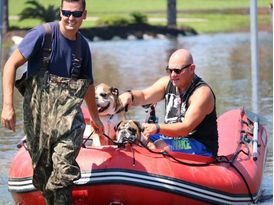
177 70
75 14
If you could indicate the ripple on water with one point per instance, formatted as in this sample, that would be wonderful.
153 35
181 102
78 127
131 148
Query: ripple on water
223 60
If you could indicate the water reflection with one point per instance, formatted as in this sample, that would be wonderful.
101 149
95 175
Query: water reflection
223 60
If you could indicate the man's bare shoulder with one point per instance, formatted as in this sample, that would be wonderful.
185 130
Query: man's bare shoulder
203 90
203 98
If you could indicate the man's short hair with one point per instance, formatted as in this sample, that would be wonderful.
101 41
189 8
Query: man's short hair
83 3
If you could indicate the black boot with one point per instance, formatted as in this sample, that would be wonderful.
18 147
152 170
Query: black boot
63 196
49 198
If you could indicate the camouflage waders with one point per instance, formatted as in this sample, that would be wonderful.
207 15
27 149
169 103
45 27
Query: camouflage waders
54 127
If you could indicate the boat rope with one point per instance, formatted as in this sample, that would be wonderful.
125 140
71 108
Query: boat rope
245 181
231 163
133 155
217 160
87 139
119 144
152 118
167 154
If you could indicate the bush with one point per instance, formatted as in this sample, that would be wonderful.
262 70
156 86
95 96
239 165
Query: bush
112 21
138 18
135 18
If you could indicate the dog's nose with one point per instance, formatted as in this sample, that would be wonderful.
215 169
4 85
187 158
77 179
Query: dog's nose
132 138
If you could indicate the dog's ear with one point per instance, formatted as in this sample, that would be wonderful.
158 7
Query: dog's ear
114 91
116 127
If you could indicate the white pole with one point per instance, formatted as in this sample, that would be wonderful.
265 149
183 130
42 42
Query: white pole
254 56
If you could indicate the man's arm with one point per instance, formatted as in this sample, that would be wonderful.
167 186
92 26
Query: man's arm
92 108
149 95
201 103
8 117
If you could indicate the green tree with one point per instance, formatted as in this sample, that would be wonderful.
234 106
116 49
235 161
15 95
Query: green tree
38 11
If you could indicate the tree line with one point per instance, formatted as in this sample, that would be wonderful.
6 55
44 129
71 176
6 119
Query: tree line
36 10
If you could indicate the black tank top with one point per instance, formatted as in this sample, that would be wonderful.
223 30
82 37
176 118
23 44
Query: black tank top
176 106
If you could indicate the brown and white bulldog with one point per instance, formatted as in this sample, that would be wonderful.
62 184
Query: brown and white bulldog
111 112
129 131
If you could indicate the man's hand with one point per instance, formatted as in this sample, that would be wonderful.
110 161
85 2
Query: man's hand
8 117
126 100
98 126
149 129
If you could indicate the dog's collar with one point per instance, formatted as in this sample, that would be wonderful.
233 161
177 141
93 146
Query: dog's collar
118 111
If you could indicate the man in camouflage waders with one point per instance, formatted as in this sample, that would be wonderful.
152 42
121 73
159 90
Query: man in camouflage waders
55 87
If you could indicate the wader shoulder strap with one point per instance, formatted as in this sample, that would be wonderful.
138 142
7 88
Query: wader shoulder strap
78 47
46 46
77 60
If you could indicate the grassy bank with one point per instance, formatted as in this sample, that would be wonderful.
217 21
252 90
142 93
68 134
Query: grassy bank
212 12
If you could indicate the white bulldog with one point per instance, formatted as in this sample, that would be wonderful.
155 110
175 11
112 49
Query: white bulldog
129 131
111 112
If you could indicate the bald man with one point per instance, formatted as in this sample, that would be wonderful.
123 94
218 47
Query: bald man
190 124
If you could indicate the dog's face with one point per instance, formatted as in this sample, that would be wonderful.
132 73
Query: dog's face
106 99
128 130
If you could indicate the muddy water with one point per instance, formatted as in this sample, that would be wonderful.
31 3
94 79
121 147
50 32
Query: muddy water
223 60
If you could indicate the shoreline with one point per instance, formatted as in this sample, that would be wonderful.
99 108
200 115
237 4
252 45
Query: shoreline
138 31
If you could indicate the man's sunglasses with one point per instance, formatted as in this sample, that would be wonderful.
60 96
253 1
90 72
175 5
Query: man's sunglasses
75 14
177 70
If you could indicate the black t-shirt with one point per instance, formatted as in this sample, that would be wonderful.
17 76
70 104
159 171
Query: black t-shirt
176 105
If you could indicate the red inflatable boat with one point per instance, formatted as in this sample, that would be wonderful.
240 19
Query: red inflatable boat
134 175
